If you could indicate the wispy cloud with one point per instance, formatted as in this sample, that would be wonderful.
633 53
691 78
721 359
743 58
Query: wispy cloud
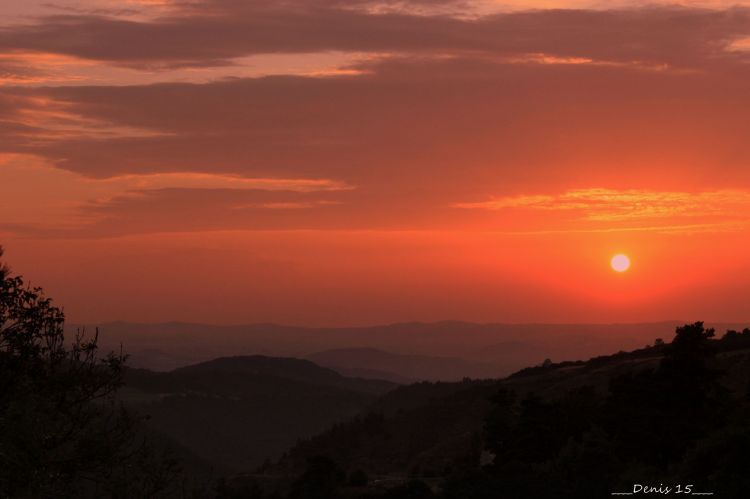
287 205
553 60
201 33
189 180
40 119
34 69
68 201
681 229
612 205
739 45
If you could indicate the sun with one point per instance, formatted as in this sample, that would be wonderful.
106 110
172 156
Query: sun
620 262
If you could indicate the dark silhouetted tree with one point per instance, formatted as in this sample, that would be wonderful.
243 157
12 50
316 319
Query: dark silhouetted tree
358 478
674 420
62 431
414 489
654 415
251 490
321 479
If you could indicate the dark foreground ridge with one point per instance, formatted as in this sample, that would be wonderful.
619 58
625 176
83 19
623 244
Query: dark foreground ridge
238 412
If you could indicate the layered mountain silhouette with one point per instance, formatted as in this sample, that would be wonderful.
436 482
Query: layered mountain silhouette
239 412
483 349
402 368
257 426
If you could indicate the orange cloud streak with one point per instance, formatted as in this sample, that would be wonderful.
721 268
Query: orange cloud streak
612 205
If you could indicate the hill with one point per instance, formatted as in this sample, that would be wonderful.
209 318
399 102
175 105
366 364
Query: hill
505 347
300 370
659 396
403 366
237 412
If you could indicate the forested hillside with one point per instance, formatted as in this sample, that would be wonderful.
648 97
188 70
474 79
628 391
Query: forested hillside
675 412
237 412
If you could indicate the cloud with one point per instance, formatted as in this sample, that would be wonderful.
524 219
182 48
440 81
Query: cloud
190 180
287 205
215 32
27 68
429 109
39 69
205 209
739 45
413 135
412 117
612 205
67 204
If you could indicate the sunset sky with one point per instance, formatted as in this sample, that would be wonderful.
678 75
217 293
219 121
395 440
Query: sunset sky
342 162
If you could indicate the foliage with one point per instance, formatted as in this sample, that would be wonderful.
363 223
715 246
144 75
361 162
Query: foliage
62 431
414 489
358 478
664 414
652 423
250 490
321 480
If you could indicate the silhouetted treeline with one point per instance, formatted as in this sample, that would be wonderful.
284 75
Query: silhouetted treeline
674 413
63 434
673 424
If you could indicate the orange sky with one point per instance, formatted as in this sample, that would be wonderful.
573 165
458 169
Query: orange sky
325 162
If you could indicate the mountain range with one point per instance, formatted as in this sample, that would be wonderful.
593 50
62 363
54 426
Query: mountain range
444 351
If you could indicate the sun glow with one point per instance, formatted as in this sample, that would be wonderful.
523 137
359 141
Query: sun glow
620 263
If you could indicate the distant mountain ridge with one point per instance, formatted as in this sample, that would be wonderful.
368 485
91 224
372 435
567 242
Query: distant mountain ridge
411 367
301 370
507 347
